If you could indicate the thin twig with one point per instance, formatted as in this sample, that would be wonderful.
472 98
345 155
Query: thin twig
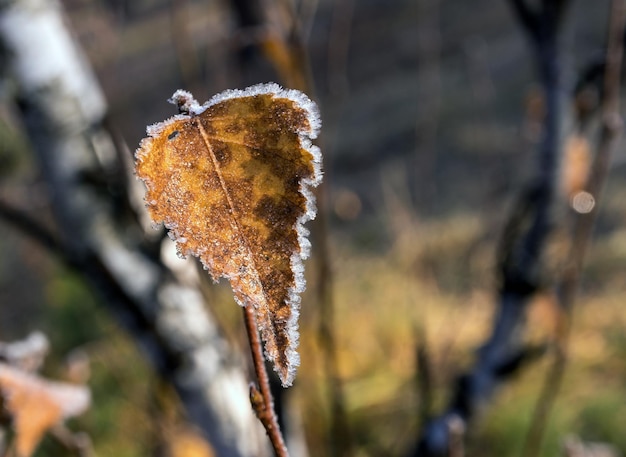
183 41
583 226
78 443
340 433
24 223
339 47
262 400
423 375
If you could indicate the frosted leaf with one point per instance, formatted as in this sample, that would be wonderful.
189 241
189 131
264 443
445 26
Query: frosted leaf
232 180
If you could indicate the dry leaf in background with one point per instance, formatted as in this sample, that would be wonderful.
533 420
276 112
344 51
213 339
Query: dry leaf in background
576 165
35 405
231 181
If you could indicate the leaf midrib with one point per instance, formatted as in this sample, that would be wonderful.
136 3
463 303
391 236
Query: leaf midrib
233 211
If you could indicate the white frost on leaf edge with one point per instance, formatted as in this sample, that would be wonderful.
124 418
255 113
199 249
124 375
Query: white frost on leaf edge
277 91
187 102
297 258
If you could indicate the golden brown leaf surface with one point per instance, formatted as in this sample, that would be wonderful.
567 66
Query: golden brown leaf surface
230 181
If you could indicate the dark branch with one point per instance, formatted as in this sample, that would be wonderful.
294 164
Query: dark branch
521 257
529 19
25 224
611 127
539 25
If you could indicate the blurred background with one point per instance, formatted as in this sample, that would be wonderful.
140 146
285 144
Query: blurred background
429 132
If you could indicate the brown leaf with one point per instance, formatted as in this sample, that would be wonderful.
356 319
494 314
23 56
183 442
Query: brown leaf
36 405
231 181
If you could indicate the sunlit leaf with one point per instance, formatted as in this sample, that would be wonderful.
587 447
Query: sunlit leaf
231 181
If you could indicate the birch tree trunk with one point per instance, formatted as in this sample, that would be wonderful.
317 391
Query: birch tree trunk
63 107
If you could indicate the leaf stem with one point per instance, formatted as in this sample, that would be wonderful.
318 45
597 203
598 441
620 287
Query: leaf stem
261 397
